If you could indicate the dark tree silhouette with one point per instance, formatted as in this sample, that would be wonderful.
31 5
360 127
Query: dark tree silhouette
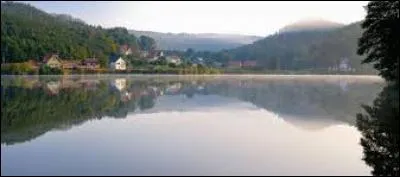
380 40
380 130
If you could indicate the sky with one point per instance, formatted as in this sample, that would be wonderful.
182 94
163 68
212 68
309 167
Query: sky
236 17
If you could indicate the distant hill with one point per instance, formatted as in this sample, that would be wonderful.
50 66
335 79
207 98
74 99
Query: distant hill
198 42
303 49
310 25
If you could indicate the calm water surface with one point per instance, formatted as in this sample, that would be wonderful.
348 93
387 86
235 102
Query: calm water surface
183 125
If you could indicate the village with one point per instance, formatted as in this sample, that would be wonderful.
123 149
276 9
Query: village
129 60
115 62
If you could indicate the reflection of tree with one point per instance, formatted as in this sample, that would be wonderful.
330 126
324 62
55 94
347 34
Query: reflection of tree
380 130
30 112
146 102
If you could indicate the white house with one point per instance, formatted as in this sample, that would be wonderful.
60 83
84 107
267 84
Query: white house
125 50
119 64
344 65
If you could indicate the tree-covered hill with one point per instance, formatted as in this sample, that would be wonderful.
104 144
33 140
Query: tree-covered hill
303 49
30 33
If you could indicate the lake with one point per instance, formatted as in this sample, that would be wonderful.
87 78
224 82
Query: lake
184 125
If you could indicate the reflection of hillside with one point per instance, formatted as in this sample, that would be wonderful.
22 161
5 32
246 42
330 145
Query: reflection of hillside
309 100
28 110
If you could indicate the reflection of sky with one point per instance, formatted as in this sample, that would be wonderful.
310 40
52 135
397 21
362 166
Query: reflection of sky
232 142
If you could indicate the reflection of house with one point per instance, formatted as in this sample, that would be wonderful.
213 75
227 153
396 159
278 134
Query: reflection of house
52 60
118 64
89 84
343 85
173 89
119 84
126 96
53 87
68 83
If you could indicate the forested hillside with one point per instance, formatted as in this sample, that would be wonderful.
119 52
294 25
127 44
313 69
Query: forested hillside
30 33
303 49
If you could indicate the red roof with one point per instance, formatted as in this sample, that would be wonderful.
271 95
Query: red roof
90 60
249 63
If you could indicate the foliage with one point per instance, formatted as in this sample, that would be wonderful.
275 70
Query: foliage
46 70
17 68
147 43
380 130
299 50
380 40
380 124
45 109
30 33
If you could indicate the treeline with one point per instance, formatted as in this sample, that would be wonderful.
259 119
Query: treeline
298 50
304 50
30 33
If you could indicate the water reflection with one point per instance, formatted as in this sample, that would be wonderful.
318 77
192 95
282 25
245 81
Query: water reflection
192 125
32 106
380 130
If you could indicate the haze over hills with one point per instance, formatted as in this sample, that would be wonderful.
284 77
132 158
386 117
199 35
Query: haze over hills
199 42
311 25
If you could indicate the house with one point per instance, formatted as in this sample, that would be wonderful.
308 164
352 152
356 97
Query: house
154 56
52 60
173 59
125 50
345 65
91 63
249 63
118 64
70 64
